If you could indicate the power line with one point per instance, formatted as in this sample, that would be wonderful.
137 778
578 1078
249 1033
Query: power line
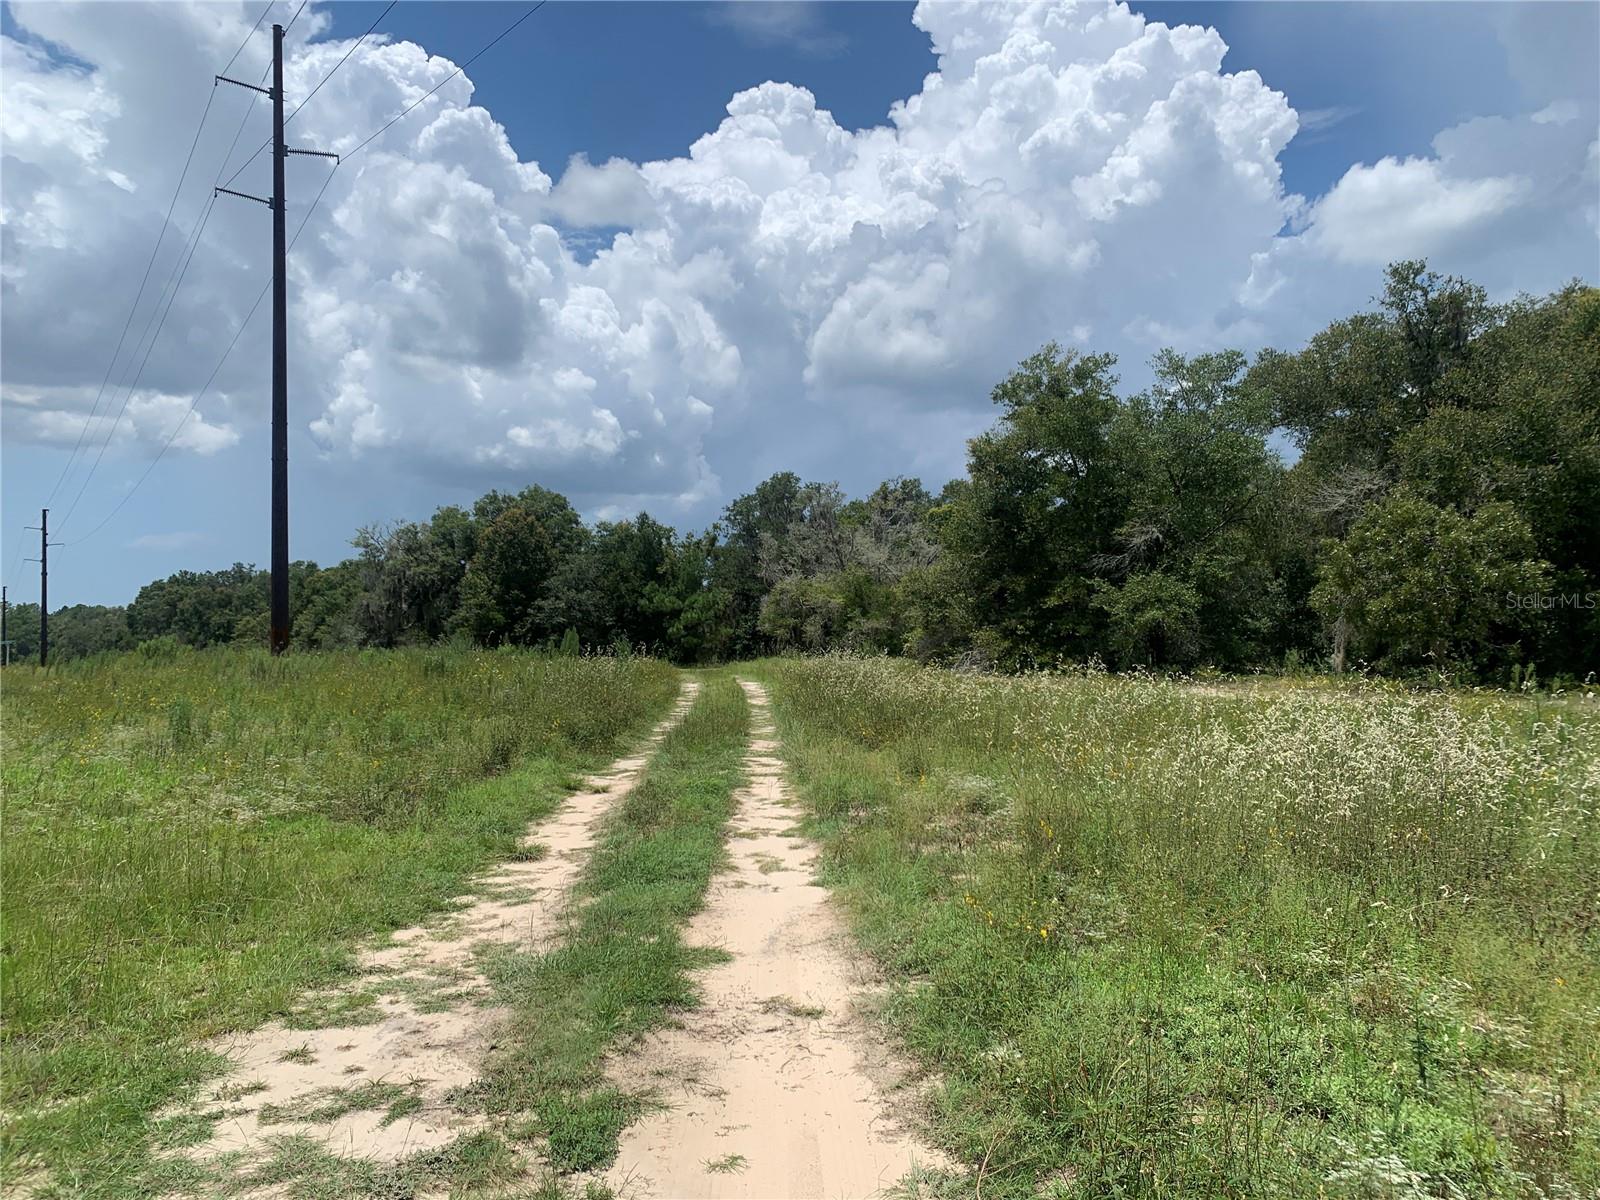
171 299
384 129
194 404
16 559
144 281
139 295
248 36
249 107
182 421
206 387
154 253
310 94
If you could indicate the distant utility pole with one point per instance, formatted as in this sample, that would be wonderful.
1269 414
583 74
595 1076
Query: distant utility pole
279 637
5 642
44 584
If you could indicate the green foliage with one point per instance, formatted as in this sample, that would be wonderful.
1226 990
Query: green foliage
1159 529
1468 407
1152 618
81 630
1418 585
198 608
514 560
1138 530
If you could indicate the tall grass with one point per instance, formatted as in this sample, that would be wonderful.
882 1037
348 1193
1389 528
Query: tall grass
1161 939
191 842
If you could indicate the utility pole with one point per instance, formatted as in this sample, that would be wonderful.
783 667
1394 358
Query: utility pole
44 584
5 642
279 636
278 639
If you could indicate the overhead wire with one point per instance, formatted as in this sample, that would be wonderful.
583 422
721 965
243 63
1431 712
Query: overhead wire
144 281
175 279
138 296
170 295
194 404
405 111
353 47
248 36
166 221
206 387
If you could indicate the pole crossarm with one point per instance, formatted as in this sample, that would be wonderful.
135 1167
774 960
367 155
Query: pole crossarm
244 196
241 83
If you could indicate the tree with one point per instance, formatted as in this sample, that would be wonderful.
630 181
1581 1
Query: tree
1043 498
765 513
1154 619
506 580
80 630
411 577
199 608
1522 427
325 608
1417 585
1132 530
619 585
1362 382
702 628
22 627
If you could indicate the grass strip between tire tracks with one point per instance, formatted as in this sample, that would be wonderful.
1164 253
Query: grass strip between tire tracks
623 966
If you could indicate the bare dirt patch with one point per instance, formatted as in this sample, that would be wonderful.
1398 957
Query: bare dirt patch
373 1077
775 1086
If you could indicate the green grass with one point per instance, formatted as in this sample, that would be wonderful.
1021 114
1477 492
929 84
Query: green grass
623 966
326 1105
1161 940
191 844
478 1164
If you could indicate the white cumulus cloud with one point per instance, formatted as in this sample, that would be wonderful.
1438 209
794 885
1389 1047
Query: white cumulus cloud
788 291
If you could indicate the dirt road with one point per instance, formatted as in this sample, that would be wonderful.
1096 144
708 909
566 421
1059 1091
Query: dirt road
774 1086
373 1082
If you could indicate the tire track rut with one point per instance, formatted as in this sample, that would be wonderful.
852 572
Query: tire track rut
401 1059
775 1085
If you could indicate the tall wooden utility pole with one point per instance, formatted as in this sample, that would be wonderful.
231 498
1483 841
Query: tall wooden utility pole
44 584
279 637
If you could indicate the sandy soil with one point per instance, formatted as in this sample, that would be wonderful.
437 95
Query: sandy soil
433 1022
774 1087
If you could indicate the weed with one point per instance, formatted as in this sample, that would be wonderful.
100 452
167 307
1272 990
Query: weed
1265 940
791 1007
325 1105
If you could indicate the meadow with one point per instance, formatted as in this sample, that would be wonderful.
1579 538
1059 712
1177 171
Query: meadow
194 839
1154 938
1141 936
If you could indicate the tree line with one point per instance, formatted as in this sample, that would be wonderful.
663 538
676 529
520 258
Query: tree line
1439 516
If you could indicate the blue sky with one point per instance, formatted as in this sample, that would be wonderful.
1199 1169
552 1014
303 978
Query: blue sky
652 76
642 82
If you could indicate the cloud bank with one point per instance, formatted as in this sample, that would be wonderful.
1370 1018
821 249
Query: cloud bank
1067 171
